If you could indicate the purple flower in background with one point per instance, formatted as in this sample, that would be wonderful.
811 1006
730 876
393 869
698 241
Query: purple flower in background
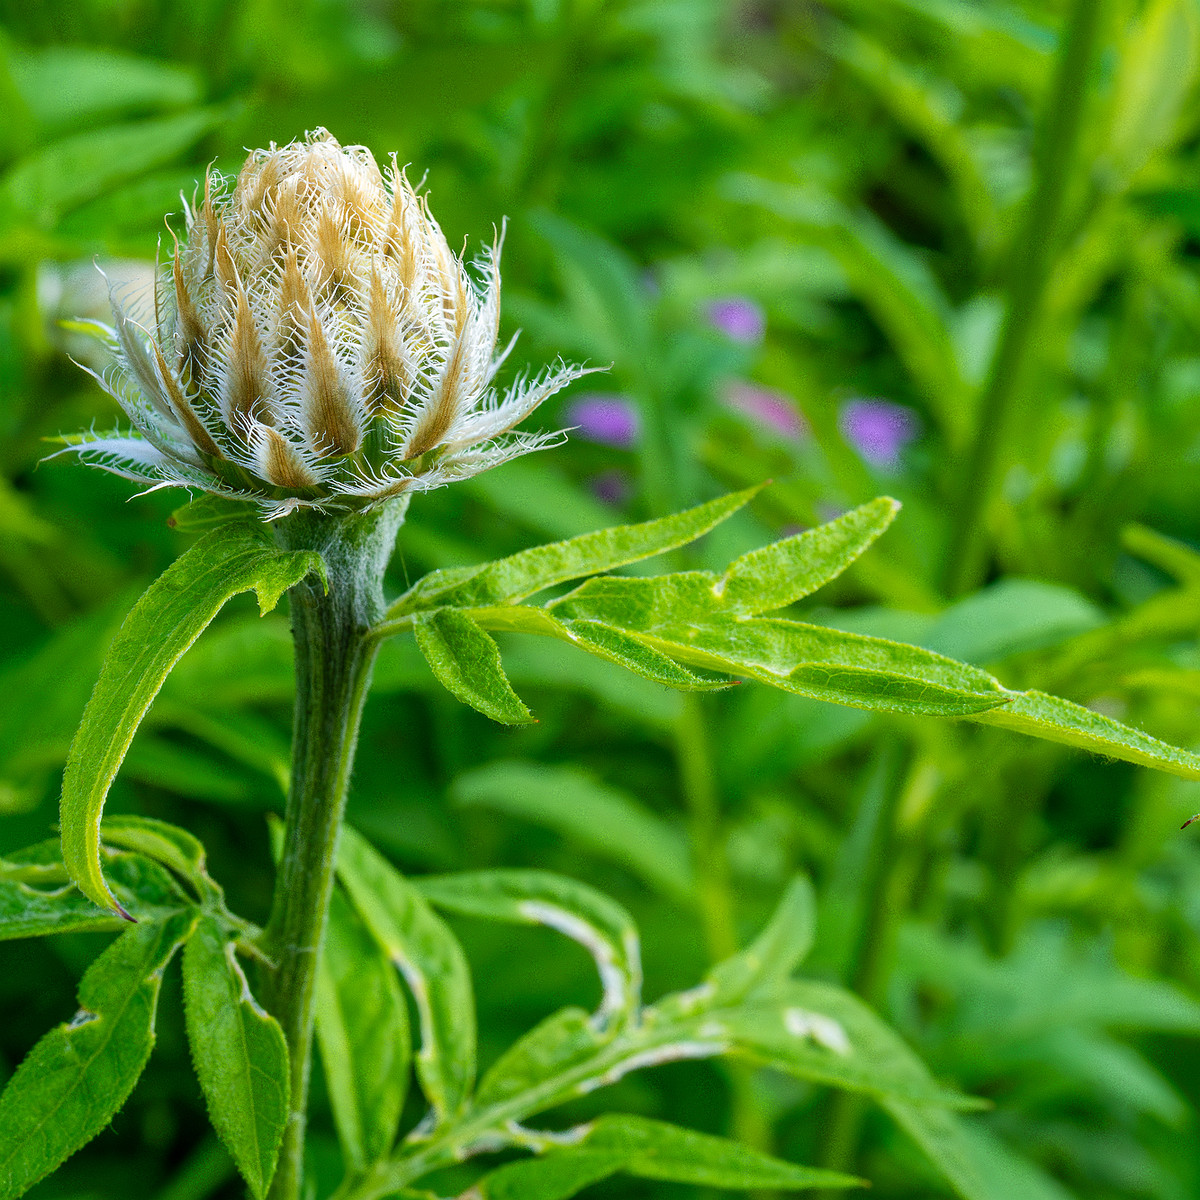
878 429
607 418
773 409
612 487
739 318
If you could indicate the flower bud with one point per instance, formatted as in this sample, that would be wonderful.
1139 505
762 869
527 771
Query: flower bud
315 342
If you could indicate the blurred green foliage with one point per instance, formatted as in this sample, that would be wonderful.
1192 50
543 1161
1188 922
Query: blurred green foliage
942 249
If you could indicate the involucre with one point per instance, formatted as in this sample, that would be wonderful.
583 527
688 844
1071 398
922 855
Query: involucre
315 343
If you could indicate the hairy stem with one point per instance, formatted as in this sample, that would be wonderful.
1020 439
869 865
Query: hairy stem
334 657
1033 256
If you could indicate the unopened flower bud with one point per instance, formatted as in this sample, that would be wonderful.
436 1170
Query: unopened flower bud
315 342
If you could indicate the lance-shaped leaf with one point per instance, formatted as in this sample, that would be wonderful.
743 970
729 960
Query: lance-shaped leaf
652 1150
583 914
554 1177
240 1055
466 662
511 579
775 953
167 619
777 575
36 897
175 848
821 1033
1057 720
362 1033
565 1039
429 957
74 1080
808 660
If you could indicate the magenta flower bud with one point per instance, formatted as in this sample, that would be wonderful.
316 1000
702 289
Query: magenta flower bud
776 411
738 318
607 418
878 429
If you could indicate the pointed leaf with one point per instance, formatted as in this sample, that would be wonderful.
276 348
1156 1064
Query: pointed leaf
240 1055
1057 720
606 641
37 899
362 1033
600 925
658 1150
563 1040
74 1080
168 618
827 664
821 1033
511 579
175 848
777 575
431 961
553 1177
466 662
775 953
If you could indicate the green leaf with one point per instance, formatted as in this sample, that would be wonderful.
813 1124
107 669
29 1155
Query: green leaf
67 85
167 619
208 512
658 1150
565 1039
650 1149
240 1055
1009 617
528 897
175 848
775 953
1056 720
1159 59
777 575
606 641
514 578
52 180
553 1177
36 897
466 662
605 819
826 664
819 1032
362 1033
74 1080
432 963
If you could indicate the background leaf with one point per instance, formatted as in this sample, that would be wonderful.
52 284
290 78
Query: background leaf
417 941
362 1033
74 1080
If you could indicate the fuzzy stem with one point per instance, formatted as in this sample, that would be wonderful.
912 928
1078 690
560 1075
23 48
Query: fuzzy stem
334 658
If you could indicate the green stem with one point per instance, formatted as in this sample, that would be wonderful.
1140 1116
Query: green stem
334 657
887 880
1033 256
715 892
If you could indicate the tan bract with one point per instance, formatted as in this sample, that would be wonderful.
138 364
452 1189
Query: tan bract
316 343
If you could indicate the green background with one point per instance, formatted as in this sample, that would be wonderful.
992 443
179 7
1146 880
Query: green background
891 184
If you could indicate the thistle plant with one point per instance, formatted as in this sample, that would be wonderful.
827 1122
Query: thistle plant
317 356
